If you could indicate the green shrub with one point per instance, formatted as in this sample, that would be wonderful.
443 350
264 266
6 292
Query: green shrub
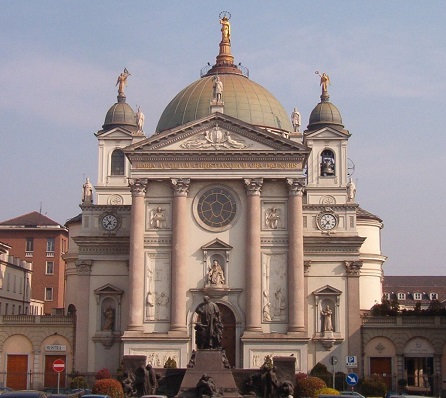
110 387
78 382
321 371
374 386
307 387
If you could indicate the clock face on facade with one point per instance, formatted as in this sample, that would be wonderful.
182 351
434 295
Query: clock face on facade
327 221
216 207
109 222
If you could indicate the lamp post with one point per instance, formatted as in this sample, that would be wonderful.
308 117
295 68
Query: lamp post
334 361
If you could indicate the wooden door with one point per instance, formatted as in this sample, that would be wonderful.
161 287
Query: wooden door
229 337
383 368
51 375
17 371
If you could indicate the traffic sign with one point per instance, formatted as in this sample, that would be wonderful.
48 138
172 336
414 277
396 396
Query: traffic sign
351 361
352 379
59 365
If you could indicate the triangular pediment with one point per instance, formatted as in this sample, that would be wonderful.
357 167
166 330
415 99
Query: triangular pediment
115 134
327 133
216 133
327 290
108 289
216 244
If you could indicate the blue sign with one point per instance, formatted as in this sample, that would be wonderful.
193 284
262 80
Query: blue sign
352 379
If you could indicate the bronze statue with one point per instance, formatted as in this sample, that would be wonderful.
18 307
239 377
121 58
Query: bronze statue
209 328
324 82
206 387
122 81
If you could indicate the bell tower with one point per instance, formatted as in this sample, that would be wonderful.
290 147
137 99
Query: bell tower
328 174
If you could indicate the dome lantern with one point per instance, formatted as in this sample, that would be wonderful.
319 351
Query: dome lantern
242 98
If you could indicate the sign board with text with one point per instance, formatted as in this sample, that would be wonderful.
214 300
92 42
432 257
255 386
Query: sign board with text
351 361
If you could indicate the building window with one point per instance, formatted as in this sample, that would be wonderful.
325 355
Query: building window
48 294
433 296
117 163
8 281
387 296
29 247
417 296
50 247
6 308
401 296
49 268
14 284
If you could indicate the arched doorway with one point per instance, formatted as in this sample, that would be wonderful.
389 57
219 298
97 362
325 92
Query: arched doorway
229 335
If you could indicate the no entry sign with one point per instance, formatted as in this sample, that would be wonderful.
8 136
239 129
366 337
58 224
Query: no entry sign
59 365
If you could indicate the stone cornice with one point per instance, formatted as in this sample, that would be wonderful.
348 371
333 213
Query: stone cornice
333 244
334 207
102 208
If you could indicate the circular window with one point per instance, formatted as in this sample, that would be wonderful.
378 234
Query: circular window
216 207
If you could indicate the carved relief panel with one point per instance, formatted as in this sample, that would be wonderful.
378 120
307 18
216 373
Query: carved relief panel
274 215
157 287
158 216
274 287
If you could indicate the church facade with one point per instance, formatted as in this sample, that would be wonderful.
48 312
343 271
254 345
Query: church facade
227 199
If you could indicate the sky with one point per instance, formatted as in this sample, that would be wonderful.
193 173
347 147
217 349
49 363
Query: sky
61 59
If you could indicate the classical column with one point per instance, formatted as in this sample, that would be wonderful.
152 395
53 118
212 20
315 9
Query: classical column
296 292
180 188
253 256
353 271
138 189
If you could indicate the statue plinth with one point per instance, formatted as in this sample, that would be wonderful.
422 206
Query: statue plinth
215 290
210 362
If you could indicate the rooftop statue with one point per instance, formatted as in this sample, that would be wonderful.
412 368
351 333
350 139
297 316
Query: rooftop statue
324 82
225 27
122 81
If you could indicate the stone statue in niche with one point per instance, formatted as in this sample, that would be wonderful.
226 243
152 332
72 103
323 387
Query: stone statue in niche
272 217
216 275
327 322
109 315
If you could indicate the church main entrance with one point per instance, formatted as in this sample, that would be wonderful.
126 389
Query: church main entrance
229 337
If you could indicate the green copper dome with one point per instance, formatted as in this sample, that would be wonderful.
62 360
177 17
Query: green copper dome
120 114
242 98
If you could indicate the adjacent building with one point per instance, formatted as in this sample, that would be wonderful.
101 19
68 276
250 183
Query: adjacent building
40 241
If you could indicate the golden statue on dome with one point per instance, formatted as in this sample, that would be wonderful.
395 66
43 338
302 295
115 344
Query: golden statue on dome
324 83
122 81
225 16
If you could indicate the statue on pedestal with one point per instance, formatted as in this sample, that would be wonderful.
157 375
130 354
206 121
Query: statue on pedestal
209 328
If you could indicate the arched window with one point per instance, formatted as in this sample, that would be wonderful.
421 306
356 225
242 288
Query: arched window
327 163
117 163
